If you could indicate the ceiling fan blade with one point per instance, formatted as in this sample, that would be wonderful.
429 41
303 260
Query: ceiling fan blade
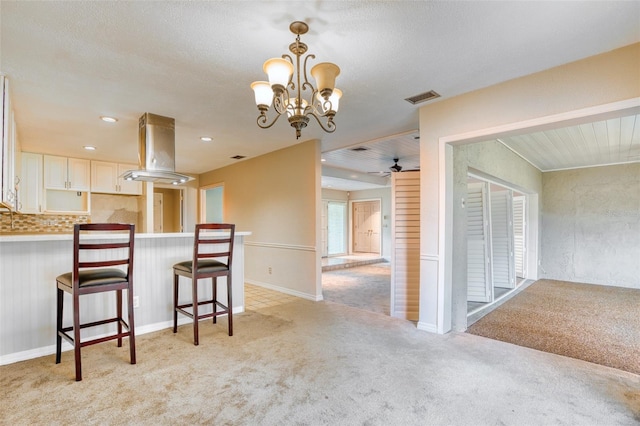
381 173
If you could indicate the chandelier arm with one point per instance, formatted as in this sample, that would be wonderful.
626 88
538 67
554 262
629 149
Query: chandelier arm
290 59
262 120
329 128
304 70
281 103
317 107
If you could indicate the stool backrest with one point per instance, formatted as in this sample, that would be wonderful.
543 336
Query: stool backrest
214 240
112 255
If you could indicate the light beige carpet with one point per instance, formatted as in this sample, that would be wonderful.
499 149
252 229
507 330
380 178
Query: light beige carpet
316 363
366 287
599 324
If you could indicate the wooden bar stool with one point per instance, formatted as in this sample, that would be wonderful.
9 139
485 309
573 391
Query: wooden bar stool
212 262
96 276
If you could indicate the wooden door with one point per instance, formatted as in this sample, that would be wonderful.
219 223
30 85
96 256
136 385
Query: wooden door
366 226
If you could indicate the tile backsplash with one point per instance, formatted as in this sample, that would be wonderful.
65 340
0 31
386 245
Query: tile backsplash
39 223
105 208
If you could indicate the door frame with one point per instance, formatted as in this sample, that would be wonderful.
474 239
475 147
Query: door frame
325 227
202 200
158 213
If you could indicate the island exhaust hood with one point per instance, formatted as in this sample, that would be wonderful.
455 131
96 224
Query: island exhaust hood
156 152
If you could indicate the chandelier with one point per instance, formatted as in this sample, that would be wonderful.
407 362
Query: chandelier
286 93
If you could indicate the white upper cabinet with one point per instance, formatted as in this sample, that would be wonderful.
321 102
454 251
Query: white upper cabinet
67 173
130 187
30 194
105 178
8 148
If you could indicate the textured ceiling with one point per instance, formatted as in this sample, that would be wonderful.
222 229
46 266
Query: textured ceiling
71 62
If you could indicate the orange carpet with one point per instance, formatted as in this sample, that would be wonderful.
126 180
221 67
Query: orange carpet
599 324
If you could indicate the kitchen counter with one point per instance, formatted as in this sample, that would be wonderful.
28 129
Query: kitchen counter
7 238
31 263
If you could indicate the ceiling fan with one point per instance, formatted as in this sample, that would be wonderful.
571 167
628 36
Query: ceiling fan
396 168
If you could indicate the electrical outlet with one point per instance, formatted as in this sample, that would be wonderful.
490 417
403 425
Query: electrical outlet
136 301
270 271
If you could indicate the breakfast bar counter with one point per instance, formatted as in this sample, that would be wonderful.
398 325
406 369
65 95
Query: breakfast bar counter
29 265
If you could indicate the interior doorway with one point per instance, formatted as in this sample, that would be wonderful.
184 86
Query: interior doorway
168 210
158 202
355 278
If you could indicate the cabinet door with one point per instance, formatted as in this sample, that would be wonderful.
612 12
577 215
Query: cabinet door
8 148
104 177
79 174
55 172
30 195
129 187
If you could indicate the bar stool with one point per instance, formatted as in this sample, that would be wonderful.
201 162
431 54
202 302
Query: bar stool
207 247
94 276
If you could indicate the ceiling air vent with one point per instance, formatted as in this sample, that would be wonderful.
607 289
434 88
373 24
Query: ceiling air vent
238 157
360 149
422 97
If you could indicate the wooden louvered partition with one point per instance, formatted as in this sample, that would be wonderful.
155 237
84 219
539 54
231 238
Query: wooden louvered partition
405 250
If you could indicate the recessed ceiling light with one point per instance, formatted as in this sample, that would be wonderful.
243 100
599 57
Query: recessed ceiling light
90 148
108 119
323 159
206 139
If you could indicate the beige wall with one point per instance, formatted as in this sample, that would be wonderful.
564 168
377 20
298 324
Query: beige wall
277 198
497 110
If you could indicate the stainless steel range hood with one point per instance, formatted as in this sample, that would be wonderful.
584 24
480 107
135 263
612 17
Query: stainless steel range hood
156 152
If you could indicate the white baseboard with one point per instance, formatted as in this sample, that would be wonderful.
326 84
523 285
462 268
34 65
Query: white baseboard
427 327
66 346
284 290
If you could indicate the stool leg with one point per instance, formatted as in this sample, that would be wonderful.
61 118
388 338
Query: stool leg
229 304
76 336
194 285
214 289
175 302
132 327
119 315
60 301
